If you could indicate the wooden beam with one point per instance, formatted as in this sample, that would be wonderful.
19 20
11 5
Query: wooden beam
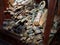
49 21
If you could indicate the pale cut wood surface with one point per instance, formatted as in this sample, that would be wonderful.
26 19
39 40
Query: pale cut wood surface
43 18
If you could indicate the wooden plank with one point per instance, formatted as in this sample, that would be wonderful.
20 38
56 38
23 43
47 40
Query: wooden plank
49 21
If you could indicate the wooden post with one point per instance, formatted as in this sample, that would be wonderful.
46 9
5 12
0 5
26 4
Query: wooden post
49 21
3 6
1 12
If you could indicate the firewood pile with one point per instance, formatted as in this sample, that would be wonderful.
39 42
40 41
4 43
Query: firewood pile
27 20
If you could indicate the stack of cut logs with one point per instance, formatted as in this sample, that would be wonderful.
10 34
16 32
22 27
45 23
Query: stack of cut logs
27 20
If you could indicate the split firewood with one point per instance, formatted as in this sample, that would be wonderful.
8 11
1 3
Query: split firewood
43 17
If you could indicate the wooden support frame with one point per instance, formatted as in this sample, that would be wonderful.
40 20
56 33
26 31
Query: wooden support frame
50 17
49 21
